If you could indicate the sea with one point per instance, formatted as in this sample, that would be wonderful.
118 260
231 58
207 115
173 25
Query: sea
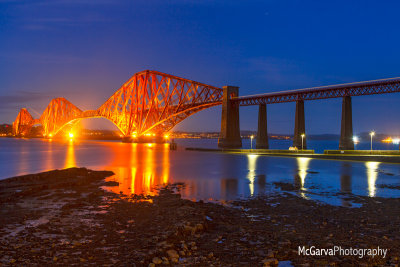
209 176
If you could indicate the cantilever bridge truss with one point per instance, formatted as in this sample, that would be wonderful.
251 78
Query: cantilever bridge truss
149 101
155 102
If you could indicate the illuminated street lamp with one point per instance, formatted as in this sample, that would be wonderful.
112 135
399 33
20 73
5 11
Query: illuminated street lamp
251 142
371 134
302 141
355 141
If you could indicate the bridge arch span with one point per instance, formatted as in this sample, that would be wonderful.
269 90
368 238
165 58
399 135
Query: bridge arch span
155 101
148 101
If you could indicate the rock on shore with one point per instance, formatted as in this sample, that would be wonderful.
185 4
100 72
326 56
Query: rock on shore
64 217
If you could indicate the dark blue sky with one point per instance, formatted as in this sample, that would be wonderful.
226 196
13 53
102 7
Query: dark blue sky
84 50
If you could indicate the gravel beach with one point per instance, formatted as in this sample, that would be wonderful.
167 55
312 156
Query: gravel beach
65 217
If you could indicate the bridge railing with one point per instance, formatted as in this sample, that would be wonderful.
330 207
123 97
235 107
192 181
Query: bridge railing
323 92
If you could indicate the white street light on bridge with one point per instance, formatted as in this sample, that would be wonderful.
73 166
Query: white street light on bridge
251 142
302 140
371 134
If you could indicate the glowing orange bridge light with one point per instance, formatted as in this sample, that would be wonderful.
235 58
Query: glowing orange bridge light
387 140
71 135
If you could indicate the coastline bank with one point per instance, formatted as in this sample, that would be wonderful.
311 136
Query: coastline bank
307 154
66 217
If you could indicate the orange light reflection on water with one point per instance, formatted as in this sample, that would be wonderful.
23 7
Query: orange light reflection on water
70 160
49 158
23 162
139 168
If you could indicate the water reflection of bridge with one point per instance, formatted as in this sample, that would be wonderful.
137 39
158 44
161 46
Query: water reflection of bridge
140 168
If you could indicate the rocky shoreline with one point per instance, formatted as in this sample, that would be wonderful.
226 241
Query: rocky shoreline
65 217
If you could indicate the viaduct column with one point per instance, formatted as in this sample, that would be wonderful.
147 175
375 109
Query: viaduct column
230 130
299 126
346 131
262 132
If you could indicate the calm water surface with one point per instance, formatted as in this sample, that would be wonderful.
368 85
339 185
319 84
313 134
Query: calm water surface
209 176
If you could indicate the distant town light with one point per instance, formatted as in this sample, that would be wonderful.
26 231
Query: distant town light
355 141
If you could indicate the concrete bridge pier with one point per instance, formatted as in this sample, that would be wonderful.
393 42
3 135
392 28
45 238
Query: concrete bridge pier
299 126
262 132
230 129
346 131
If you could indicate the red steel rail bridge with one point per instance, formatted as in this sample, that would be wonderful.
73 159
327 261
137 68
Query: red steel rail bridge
152 101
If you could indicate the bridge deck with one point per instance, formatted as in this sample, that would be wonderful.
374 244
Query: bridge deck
384 86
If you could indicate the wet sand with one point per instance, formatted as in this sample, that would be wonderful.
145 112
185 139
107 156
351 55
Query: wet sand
66 218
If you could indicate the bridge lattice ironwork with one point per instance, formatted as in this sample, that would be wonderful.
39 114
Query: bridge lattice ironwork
350 89
23 123
156 102
148 101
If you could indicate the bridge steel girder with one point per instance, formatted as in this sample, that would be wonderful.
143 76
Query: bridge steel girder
148 101
23 123
156 102
334 91
58 113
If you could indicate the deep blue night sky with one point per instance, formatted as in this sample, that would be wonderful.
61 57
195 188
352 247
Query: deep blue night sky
85 50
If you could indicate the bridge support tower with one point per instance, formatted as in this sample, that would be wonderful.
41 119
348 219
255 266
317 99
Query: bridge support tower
262 132
346 131
230 129
299 126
